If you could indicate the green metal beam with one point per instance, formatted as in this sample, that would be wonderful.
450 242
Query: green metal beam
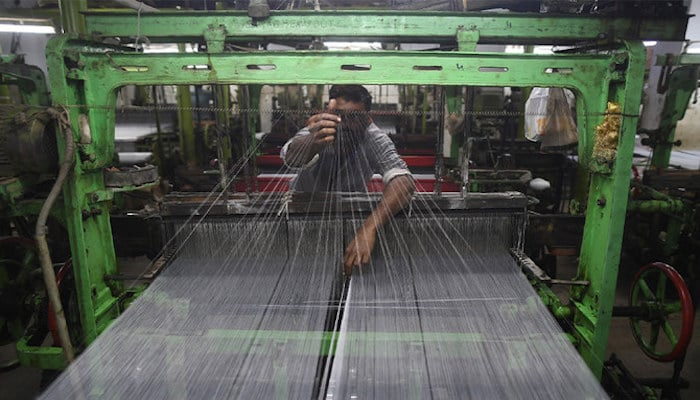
414 26
673 206
674 59
104 73
386 67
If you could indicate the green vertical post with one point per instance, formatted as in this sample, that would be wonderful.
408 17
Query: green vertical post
222 101
525 93
413 94
454 107
424 113
160 149
605 214
71 17
582 179
4 90
319 98
185 123
254 105
252 123
4 94
87 217
682 84
467 41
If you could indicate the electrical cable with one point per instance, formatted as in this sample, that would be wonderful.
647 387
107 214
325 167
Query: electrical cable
40 237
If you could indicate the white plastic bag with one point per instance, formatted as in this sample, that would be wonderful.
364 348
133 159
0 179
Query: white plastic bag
536 113
548 117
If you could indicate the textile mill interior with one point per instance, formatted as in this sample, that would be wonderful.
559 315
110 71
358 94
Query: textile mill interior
334 199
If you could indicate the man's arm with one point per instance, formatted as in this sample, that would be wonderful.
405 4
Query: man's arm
397 194
300 151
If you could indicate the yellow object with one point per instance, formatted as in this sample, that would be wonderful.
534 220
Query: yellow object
607 133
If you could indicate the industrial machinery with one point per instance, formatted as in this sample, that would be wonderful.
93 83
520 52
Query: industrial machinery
662 225
674 188
86 72
28 161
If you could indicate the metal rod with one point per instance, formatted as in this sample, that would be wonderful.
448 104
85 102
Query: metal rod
159 131
137 5
570 283
439 160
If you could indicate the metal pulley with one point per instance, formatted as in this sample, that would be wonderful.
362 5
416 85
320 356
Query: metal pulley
27 140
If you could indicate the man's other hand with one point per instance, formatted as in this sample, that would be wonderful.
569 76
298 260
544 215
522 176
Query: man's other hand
360 249
323 126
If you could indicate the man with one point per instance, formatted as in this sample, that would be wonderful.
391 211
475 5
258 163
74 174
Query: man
340 150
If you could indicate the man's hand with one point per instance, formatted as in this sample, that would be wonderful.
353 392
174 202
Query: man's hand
360 249
397 195
323 126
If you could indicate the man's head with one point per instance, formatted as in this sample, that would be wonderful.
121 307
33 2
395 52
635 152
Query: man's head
353 94
351 103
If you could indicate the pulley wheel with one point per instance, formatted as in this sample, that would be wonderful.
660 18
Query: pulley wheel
664 325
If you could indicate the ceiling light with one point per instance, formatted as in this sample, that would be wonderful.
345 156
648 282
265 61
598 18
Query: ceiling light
19 25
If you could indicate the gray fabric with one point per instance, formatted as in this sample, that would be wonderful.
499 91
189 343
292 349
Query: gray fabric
350 171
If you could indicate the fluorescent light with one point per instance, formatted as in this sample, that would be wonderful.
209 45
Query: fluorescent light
18 28
514 49
165 48
542 50
353 45
649 43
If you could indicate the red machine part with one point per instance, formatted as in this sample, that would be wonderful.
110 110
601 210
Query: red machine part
60 276
658 307
16 240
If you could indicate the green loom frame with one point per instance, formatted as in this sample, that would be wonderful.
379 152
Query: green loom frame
85 75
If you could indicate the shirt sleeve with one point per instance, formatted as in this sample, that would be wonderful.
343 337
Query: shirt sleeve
283 152
386 158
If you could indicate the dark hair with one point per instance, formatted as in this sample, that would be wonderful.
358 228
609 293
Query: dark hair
354 93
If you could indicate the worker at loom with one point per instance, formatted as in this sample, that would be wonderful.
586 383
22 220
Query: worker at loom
339 150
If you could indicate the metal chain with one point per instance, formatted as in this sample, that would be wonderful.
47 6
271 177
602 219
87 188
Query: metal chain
306 112
237 110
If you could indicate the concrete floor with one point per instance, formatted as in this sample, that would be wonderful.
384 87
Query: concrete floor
23 383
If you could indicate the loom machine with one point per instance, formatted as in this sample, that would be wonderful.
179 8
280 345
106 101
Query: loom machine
148 334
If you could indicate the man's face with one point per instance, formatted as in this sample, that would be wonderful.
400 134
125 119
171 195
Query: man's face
354 121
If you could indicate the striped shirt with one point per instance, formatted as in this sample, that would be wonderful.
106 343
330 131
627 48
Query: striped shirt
352 168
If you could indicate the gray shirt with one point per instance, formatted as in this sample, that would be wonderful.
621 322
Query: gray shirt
329 170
